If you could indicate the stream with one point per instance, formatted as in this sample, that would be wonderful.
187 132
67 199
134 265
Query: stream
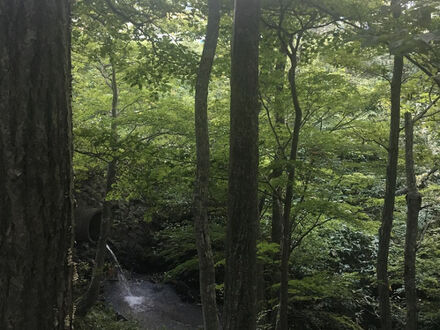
154 306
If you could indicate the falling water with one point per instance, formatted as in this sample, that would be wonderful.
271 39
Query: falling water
129 297
154 306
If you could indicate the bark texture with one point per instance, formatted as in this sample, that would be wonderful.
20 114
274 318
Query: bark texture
92 294
390 191
414 203
203 240
390 187
35 165
240 278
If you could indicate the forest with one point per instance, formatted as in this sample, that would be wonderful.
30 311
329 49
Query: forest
237 165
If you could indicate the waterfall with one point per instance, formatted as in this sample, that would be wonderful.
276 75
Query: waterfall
129 297
155 306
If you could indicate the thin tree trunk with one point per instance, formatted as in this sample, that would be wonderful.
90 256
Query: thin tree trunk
261 287
414 202
277 216
203 240
277 212
390 189
91 296
35 165
240 278
286 229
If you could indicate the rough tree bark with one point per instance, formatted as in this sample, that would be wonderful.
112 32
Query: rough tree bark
240 278
203 240
287 225
92 293
414 202
35 165
390 190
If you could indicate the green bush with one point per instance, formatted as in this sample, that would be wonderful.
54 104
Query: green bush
102 317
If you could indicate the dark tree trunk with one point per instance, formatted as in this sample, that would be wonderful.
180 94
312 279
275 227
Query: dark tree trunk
35 165
286 229
390 189
280 68
277 216
277 213
261 287
414 202
92 294
277 208
203 240
240 278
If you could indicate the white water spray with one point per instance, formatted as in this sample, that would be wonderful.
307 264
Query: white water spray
129 297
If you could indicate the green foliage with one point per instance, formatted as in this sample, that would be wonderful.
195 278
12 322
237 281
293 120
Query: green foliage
267 252
342 79
103 318
178 248
319 286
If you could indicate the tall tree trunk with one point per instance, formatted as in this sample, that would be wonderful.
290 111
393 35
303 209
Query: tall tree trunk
201 225
91 296
287 226
240 278
277 216
414 202
35 165
261 287
277 208
277 213
390 188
